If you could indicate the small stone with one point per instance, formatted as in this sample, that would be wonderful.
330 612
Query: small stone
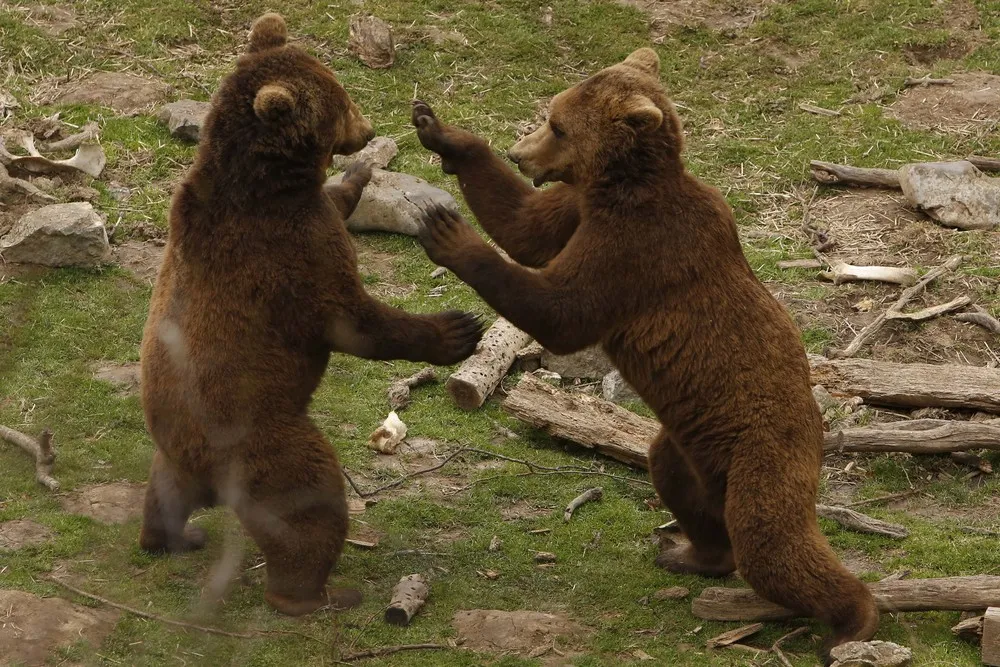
119 192
615 389
371 41
672 593
377 154
492 575
865 305
871 654
495 544
588 364
83 193
58 235
185 118
438 291
438 272
388 203
545 557
528 359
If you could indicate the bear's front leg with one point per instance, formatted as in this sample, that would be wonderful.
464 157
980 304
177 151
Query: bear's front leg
347 193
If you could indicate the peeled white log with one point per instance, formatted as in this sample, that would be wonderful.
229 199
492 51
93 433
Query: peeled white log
480 374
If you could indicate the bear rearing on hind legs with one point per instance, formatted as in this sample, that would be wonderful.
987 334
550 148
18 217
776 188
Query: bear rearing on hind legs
259 284
637 255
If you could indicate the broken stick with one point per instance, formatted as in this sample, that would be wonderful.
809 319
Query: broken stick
399 392
408 597
984 163
982 318
841 272
585 497
829 173
41 450
480 374
861 523
931 311
732 636
973 593
926 81
908 294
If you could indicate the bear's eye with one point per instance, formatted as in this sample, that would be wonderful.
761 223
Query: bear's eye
556 130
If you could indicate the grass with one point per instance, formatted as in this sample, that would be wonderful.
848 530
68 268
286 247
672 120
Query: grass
738 95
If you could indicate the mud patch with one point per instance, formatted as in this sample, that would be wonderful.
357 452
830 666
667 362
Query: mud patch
970 106
719 15
33 627
378 272
124 377
141 258
125 93
117 502
22 533
416 454
50 19
523 510
860 564
527 633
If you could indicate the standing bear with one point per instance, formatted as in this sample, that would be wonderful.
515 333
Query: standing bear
637 255
259 284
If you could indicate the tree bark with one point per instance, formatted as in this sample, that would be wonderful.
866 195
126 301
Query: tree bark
842 174
586 420
479 375
910 385
945 594
408 597
920 436
861 523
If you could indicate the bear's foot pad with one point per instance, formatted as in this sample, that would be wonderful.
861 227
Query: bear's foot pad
681 558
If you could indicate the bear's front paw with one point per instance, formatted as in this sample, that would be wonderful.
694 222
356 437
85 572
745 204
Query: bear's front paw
358 172
450 143
446 237
459 335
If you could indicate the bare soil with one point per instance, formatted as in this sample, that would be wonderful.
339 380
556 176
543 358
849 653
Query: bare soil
123 376
123 92
526 633
22 533
141 258
112 503
31 628
970 106
720 15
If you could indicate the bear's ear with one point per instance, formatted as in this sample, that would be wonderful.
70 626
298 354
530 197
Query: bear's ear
642 114
273 102
644 59
268 32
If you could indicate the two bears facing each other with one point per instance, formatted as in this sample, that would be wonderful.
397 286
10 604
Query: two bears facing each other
258 285
637 255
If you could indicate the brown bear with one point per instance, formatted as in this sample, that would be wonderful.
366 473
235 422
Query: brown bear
639 256
258 285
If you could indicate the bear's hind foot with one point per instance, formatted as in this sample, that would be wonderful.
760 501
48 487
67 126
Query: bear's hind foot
159 542
685 559
337 599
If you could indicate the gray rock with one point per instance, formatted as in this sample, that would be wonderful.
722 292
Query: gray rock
615 389
589 364
58 235
871 654
955 194
185 118
388 203
378 154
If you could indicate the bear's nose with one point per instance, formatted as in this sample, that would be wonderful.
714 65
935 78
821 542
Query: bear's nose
513 157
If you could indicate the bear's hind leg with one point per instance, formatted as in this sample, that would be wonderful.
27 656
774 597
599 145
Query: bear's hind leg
786 559
297 514
699 514
171 496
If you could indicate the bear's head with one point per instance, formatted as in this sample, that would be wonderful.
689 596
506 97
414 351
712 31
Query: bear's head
282 108
617 117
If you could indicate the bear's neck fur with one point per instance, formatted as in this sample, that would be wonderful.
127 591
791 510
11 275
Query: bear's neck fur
636 175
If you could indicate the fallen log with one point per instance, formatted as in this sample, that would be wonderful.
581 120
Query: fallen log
973 593
841 174
479 375
920 436
910 385
984 163
586 420
408 597
861 523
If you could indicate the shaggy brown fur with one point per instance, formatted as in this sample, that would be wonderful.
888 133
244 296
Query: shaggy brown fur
642 258
258 286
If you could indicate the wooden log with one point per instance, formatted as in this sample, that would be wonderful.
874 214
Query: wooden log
991 637
945 594
586 420
842 174
983 319
919 436
479 375
841 272
984 163
732 636
910 385
861 523
969 629
408 597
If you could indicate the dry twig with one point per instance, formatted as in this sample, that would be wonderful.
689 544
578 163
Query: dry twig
399 392
41 450
389 650
585 497
926 81
776 646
